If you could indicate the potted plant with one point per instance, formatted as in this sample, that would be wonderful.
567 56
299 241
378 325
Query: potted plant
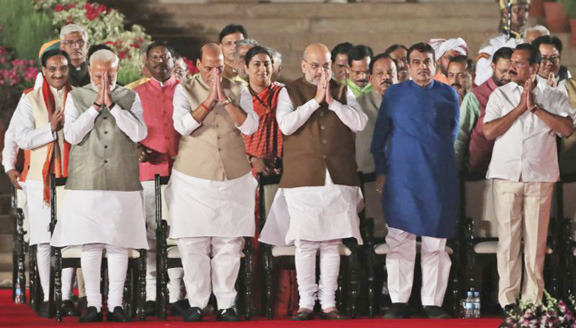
570 9
556 17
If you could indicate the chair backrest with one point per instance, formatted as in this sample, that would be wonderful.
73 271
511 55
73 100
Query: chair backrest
57 194
479 205
267 188
161 206
568 202
373 205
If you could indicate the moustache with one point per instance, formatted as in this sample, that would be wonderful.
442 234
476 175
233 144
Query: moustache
387 81
363 81
513 73
457 85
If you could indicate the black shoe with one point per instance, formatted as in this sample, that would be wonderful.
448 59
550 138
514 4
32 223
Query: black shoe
333 315
193 314
179 307
511 310
67 309
118 315
91 315
150 308
43 313
303 316
435 312
228 315
82 304
398 311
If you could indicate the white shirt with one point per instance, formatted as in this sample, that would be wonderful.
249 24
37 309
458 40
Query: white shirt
559 85
77 126
27 135
185 124
10 150
290 120
527 151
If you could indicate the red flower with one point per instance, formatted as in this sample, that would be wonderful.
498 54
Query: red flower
72 5
191 66
121 54
59 7
70 20
134 45
109 42
102 8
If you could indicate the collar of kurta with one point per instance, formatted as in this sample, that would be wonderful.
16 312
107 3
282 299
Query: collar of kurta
82 67
168 83
429 86
357 90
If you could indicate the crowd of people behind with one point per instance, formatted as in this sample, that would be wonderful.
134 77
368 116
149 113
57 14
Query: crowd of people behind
411 117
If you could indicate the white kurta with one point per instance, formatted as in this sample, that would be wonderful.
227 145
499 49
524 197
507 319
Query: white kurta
102 216
315 213
28 137
205 208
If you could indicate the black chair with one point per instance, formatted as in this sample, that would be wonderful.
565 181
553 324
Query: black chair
69 257
19 245
377 250
168 256
283 257
566 208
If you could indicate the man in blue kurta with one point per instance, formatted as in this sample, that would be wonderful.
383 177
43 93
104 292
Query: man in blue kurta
414 154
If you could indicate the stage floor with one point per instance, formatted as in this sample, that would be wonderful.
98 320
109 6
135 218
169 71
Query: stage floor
21 315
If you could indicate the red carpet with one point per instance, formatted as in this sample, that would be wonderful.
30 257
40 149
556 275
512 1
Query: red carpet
21 315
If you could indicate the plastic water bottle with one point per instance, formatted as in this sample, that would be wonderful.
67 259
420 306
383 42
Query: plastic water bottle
469 305
18 299
477 305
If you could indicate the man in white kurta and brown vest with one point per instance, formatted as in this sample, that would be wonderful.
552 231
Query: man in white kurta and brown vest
38 131
103 207
211 192
317 203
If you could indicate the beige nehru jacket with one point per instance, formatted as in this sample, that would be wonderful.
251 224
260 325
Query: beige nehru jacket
215 149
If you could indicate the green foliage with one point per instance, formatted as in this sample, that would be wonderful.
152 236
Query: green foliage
23 28
569 7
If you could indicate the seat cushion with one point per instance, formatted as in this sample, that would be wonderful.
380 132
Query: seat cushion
173 252
383 249
491 247
279 251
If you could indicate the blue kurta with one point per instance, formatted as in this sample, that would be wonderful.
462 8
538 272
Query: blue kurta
413 145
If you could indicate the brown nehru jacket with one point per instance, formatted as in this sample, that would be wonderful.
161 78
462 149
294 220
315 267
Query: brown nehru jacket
322 142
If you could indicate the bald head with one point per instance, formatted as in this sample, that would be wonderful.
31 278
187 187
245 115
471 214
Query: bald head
316 59
316 49
211 61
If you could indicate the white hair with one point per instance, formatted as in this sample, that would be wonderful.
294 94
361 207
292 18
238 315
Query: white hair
244 42
276 56
104 56
71 28
536 28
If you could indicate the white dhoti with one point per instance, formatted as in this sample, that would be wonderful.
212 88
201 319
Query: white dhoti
315 219
209 219
98 220
400 262
38 214
175 274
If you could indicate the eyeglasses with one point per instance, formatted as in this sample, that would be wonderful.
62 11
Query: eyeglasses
552 59
80 43
316 66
